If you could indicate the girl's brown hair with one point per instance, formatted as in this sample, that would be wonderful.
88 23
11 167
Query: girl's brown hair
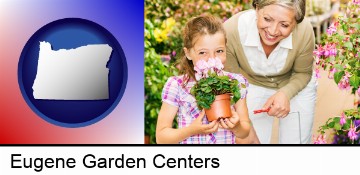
196 27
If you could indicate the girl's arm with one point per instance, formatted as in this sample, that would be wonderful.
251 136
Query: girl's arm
251 139
242 110
166 134
242 130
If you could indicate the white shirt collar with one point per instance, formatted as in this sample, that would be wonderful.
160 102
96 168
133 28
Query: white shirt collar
286 42
252 38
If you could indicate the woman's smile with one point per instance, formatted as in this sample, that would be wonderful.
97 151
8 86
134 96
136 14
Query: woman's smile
270 37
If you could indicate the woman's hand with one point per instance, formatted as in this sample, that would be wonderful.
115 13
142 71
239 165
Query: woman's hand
279 105
197 127
230 123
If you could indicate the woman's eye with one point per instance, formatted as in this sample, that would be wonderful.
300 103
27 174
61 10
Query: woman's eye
285 25
219 51
202 53
266 19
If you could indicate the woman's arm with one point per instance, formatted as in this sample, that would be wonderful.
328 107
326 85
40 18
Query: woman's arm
301 73
166 134
303 64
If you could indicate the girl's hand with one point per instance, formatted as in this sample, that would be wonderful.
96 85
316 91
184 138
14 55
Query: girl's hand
199 128
280 105
230 123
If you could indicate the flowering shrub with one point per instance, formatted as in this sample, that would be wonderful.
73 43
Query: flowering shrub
156 73
346 128
339 54
211 81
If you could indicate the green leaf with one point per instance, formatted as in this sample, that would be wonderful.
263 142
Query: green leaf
349 45
338 76
336 119
348 122
331 124
337 126
357 26
346 126
193 91
357 116
354 81
243 85
325 127
339 67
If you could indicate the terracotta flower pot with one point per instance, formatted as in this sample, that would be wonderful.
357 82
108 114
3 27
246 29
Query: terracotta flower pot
220 108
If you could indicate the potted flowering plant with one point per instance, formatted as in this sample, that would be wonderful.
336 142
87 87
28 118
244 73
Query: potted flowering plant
214 91
339 54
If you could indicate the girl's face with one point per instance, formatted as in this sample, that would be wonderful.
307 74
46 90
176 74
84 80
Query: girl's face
207 46
274 23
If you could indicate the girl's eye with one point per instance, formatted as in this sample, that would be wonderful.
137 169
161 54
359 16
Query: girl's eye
219 51
202 53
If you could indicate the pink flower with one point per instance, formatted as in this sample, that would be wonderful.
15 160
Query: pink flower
218 64
317 60
352 133
330 50
319 51
333 50
358 91
201 69
317 73
211 63
320 139
206 7
356 2
165 57
331 30
344 82
351 31
342 119
198 76
331 73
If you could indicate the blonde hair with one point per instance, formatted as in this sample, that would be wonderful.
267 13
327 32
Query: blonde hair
297 5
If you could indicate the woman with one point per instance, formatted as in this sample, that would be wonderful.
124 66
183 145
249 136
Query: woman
272 46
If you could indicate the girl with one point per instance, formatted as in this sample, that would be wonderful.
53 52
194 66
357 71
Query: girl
204 38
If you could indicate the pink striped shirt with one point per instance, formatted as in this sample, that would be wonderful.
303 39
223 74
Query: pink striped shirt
174 94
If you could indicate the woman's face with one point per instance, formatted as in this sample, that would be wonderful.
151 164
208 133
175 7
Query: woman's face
207 46
274 23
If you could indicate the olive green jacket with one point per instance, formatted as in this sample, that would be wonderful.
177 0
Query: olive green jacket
297 70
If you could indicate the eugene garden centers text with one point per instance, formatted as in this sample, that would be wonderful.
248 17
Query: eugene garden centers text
92 161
